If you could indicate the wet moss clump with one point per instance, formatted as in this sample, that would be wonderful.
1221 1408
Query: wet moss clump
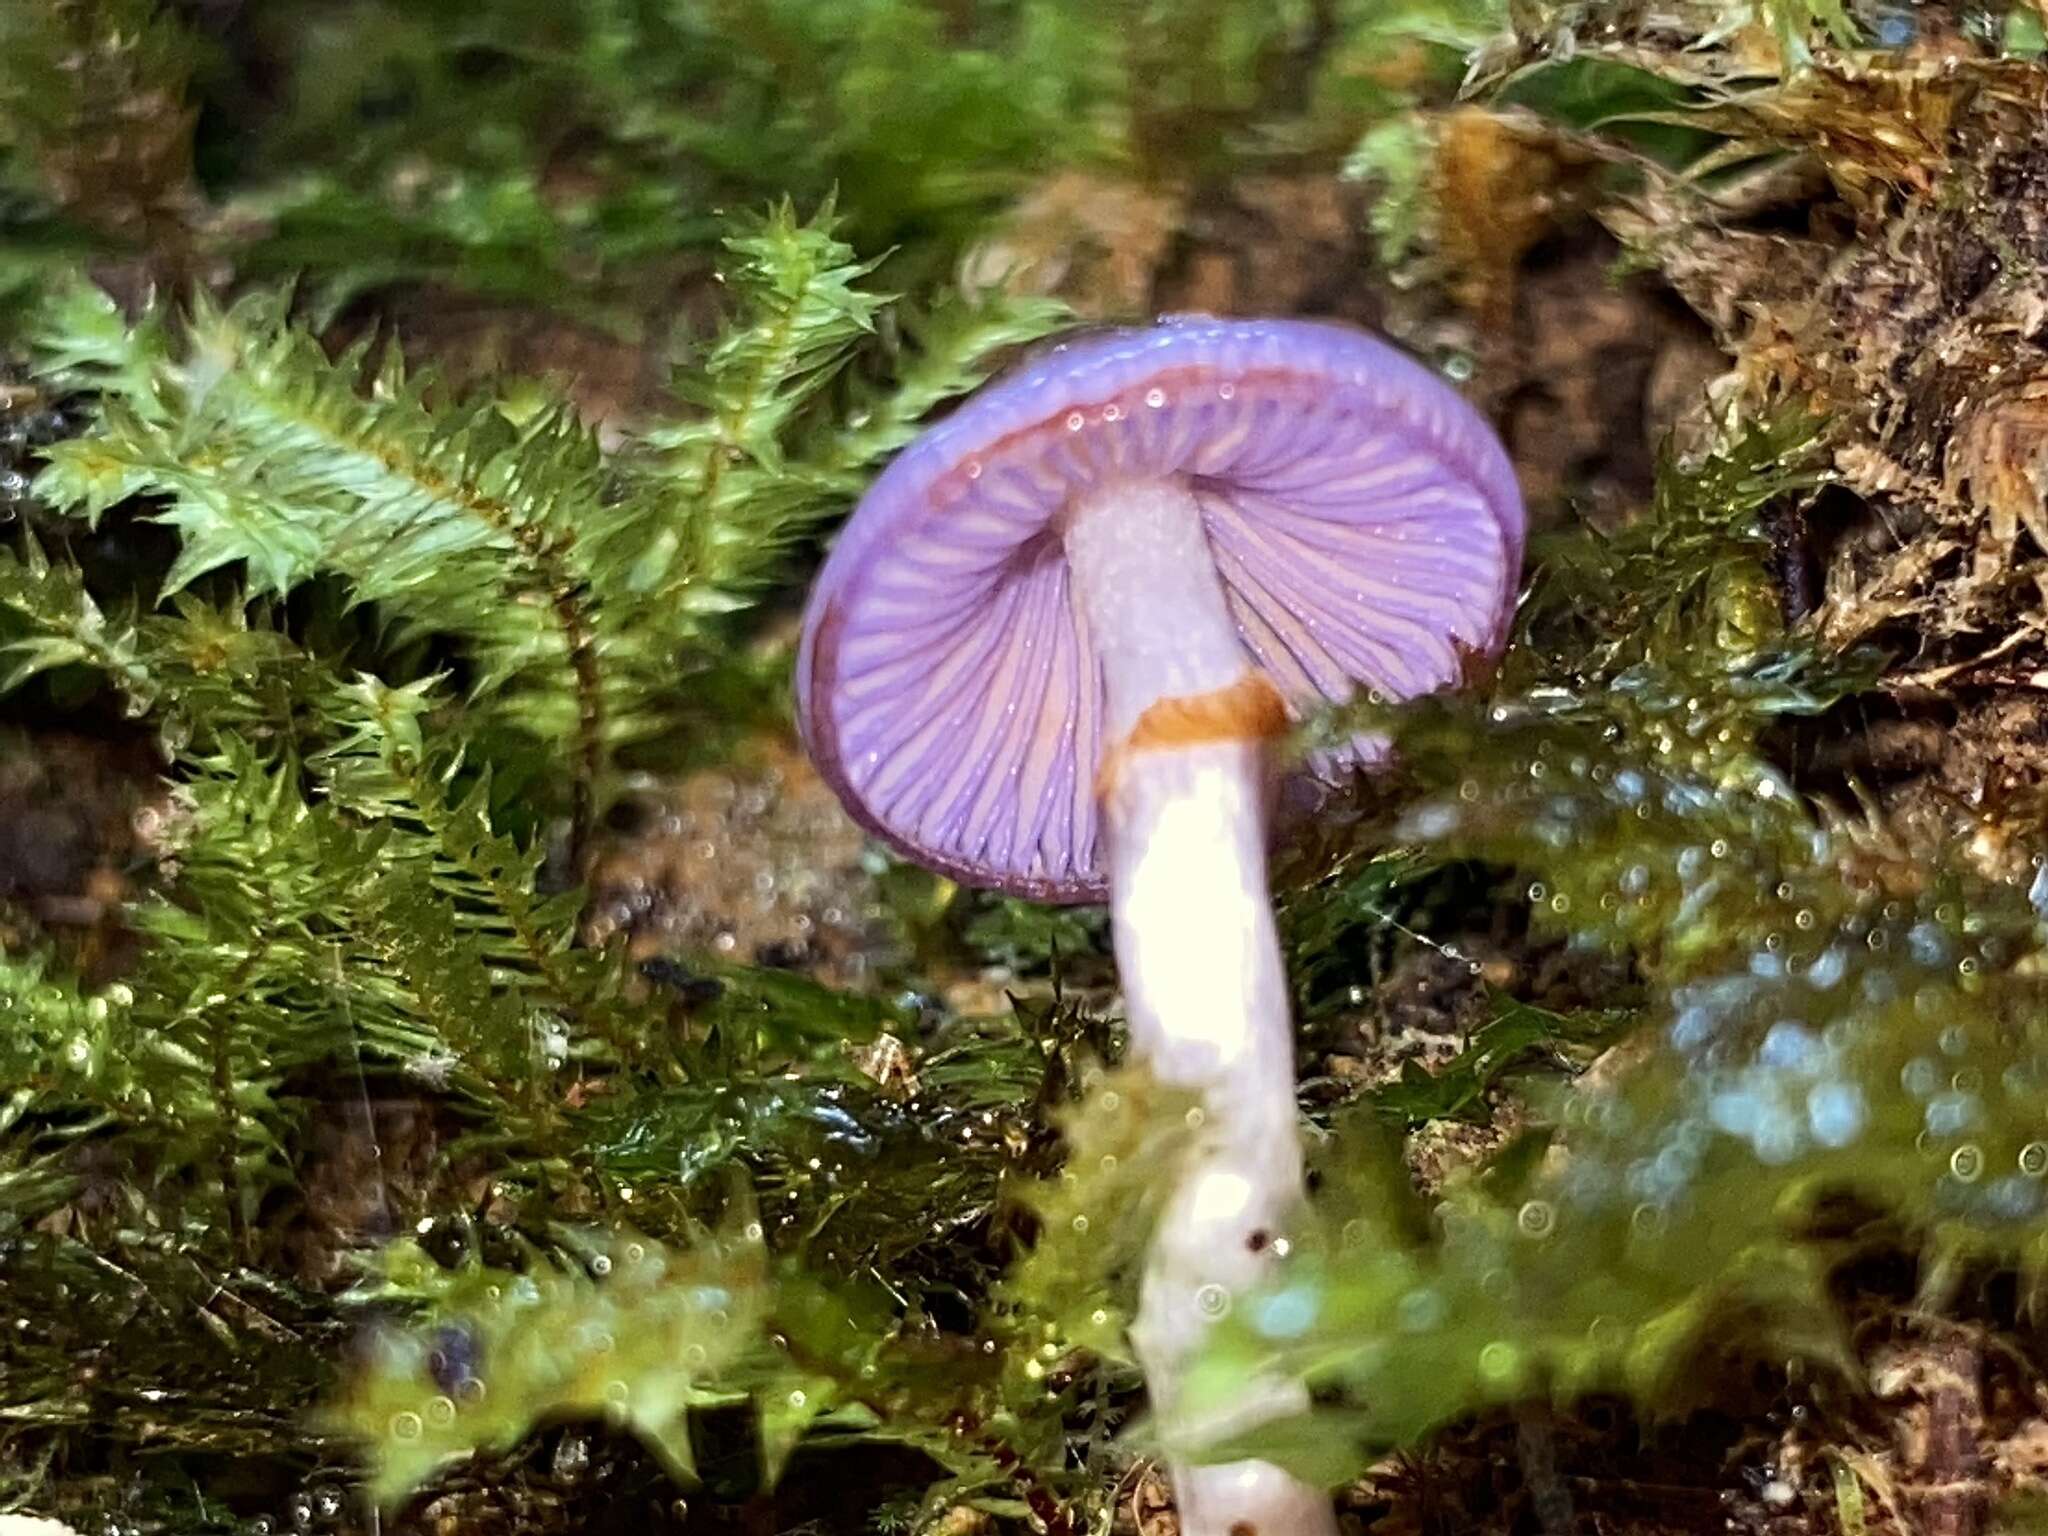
1840 1043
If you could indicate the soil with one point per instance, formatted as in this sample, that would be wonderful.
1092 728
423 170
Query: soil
76 816
754 861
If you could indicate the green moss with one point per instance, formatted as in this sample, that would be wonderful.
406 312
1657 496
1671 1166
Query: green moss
1029 938
1517 1039
1839 1041
640 1349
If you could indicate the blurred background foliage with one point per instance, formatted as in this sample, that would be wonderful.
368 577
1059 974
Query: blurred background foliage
415 424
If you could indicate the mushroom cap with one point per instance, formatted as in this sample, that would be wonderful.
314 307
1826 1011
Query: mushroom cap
1366 526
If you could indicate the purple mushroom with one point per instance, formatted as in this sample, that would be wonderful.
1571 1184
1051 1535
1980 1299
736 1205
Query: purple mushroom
1049 653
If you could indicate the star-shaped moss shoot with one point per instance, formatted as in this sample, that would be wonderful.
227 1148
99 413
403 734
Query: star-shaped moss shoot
650 1333
1050 653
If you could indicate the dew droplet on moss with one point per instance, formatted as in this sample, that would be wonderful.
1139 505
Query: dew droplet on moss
1286 1314
1790 1046
2013 1198
1950 1114
1827 971
1500 1362
1835 1113
1420 1310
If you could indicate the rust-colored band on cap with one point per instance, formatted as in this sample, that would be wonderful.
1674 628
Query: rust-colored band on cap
1249 709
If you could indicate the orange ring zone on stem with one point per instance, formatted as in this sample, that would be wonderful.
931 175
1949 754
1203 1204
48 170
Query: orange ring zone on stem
1249 709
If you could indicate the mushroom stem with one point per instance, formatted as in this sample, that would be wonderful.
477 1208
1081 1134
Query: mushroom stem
1184 801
